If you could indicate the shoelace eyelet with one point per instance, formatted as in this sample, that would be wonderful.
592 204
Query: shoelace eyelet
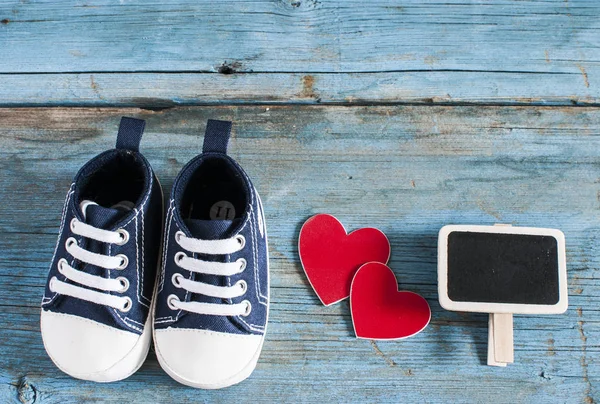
74 221
124 284
124 261
179 256
127 306
243 285
242 263
170 300
178 236
176 279
241 239
70 241
124 236
248 308
60 264
51 283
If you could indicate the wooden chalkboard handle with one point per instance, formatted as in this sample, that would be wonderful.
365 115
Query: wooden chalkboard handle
500 339
491 357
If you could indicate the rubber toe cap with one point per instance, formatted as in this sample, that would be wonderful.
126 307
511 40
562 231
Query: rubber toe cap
207 359
84 348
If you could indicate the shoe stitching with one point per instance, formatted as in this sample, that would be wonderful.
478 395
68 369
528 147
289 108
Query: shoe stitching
201 331
143 217
254 255
256 270
139 273
189 277
166 246
60 231
135 322
137 259
260 216
249 182
140 212
165 319
141 208
264 237
253 327
160 275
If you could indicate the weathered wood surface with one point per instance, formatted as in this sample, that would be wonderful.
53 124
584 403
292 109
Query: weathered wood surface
156 90
307 51
407 170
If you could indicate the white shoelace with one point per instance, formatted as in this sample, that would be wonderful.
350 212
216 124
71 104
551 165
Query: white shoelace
210 247
118 262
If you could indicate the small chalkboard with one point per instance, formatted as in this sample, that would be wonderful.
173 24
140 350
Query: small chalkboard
502 270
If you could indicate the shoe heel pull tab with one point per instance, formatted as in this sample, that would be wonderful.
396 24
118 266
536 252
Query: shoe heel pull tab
216 136
130 133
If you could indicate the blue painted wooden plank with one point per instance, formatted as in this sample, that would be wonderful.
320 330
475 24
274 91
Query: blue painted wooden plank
421 87
407 170
309 36
410 51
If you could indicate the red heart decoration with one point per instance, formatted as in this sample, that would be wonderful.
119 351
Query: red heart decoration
379 310
330 257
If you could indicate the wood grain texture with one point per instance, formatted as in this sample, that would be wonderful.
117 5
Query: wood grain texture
407 170
303 51
159 90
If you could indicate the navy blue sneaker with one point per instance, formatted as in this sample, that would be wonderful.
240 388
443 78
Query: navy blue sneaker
213 293
96 315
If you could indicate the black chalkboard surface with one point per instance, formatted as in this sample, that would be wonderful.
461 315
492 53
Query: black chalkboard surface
502 268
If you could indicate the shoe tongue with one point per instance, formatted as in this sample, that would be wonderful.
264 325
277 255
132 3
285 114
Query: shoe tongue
101 217
211 229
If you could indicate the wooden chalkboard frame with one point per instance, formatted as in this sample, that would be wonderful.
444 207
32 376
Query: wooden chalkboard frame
509 308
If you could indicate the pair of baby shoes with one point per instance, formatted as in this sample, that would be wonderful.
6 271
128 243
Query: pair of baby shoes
199 287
